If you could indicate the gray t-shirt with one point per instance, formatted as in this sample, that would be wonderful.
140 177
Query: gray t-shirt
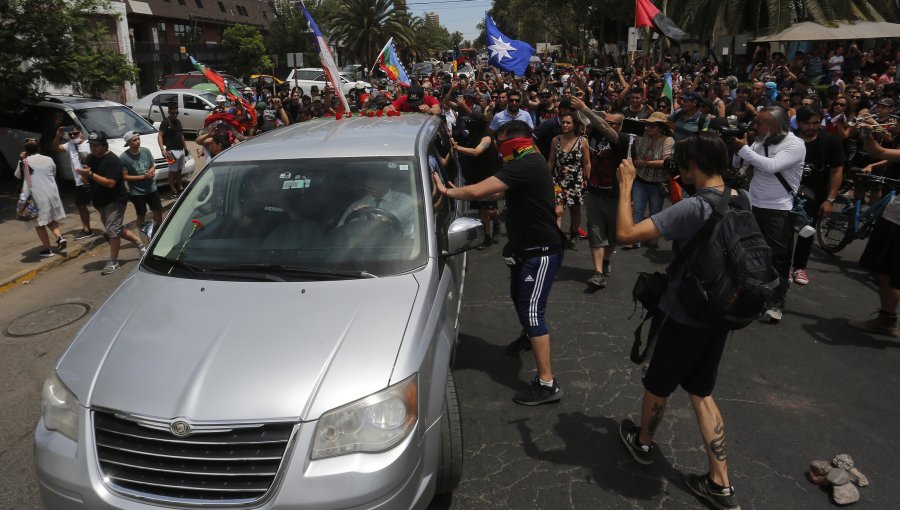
138 165
680 223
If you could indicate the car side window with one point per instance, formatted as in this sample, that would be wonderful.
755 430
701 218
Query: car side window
165 99
443 206
321 77
192 102
190 81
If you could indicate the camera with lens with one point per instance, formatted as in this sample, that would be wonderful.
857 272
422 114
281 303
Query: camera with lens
732 130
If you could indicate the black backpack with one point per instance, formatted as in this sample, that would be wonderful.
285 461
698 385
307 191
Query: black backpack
728 272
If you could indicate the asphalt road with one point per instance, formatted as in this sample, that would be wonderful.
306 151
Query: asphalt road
807 388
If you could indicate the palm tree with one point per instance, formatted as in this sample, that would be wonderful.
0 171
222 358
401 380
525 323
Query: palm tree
362 27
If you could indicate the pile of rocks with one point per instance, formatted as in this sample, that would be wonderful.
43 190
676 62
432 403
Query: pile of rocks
841 477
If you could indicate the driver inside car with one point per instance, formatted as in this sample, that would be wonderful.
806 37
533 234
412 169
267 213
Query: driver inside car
380 198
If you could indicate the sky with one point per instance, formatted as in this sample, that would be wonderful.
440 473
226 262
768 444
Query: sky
461 15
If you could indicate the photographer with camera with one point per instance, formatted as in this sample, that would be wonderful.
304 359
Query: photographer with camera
822 177
776 156
687 352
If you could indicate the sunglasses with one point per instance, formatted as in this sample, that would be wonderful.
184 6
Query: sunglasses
840 104
74 134
513 100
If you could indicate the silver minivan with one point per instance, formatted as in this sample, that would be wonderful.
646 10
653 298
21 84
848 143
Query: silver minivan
286 341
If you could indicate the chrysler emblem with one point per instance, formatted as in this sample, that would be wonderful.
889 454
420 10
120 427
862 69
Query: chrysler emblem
180 428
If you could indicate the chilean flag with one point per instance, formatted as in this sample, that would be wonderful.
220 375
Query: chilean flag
647 15
328 64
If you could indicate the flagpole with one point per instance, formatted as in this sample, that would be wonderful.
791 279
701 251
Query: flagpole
375 63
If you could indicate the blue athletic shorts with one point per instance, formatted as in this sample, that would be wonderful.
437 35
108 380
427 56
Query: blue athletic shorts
529 287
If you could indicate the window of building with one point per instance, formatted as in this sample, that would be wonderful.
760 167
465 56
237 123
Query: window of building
241 10
222 7
187 33
180 2
199 3
265 15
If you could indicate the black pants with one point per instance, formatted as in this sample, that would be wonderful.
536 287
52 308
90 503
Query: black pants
778 229
804 244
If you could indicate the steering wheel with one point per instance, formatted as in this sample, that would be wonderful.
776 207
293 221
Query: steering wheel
376 214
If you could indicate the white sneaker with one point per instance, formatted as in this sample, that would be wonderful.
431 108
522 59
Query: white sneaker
771 316
110 267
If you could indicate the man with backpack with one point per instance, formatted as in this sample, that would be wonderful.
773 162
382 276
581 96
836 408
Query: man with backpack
711 289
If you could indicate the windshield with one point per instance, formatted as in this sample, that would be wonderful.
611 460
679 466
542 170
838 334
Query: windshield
113 120
238 84
362 215
209 96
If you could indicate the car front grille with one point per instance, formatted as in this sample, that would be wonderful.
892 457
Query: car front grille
215 466
160 164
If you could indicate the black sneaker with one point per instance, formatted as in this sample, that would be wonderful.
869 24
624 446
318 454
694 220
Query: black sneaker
84 234
597 280
538 394
720 497
485 244
61 245
175 196
630 434
607 268
572 243
46 253
519 345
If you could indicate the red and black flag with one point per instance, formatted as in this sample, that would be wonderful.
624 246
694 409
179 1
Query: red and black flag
647 15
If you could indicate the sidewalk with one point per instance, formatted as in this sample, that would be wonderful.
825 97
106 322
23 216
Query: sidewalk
19 259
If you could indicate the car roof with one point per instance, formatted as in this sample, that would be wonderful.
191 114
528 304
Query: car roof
76 102
183 91
331 138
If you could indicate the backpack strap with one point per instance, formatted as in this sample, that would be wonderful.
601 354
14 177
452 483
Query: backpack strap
720 207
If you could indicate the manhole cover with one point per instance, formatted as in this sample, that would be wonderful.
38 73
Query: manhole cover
47 319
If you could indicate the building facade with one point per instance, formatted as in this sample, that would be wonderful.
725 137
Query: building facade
162 32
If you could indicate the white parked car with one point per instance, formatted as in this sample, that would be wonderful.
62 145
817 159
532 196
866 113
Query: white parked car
88 115
307 77
193 106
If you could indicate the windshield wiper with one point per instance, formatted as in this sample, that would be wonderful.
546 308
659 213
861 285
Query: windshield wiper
191 268
294 270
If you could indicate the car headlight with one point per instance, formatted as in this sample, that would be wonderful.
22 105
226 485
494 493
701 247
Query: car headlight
372 424
59 408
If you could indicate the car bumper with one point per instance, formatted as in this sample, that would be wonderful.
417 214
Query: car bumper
69 477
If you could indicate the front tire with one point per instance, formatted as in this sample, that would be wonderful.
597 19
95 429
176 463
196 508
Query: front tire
449 471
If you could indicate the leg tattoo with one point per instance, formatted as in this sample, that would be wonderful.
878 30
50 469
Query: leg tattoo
655 418
717 443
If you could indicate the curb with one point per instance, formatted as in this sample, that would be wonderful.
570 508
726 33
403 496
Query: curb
10 282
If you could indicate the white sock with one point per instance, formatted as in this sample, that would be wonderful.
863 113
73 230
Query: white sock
548 384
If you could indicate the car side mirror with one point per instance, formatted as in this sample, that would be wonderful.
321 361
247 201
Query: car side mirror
463 235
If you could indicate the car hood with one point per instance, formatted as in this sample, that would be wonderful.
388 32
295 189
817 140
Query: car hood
211 350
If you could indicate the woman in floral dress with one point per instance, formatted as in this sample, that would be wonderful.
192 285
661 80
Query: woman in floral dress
570 164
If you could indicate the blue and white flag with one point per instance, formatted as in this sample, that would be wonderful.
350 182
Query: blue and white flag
507 54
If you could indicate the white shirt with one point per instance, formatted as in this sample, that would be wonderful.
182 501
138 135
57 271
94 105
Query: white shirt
73 149
786 158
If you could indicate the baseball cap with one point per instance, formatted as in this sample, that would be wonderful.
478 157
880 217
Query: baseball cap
886 102
691 96
415 96
248 90
220 98
97 137
129 136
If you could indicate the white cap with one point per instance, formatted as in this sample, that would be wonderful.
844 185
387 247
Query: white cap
220 98
130 135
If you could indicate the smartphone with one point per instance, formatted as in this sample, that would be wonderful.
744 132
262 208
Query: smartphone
633 127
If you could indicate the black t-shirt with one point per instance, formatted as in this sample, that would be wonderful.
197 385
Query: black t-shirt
479 168
822 155
110 166
606 156
531 216
173 135
544 134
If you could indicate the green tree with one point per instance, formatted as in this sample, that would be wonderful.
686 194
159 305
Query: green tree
248 52
456 38
362 27
287 32
61 43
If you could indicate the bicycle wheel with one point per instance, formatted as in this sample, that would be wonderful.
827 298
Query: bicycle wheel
833 231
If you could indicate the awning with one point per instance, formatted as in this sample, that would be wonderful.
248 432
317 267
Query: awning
810 31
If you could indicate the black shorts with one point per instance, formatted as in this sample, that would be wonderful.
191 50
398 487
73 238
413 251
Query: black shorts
82 195
685 356
142 201
882 252
478 205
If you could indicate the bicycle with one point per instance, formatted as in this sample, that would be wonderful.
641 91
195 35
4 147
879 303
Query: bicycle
851 218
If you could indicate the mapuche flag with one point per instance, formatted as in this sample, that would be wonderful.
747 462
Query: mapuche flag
647 15
390 63
226 88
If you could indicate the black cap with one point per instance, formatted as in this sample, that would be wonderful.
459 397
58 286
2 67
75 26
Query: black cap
415 96
97 137
692 96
